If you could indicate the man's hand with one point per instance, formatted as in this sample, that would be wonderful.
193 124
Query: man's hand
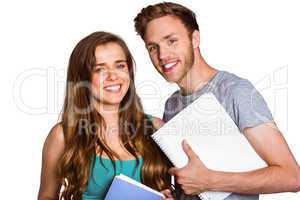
193 178
281 175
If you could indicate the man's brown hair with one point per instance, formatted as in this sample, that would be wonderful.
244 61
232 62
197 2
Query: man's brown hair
185 15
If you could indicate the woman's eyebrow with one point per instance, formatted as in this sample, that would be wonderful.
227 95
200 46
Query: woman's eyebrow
100 64
117 61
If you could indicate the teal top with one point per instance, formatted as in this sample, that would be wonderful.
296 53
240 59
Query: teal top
102 176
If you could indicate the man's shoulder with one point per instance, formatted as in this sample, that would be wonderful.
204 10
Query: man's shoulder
226 87
173 97
233 84
233 79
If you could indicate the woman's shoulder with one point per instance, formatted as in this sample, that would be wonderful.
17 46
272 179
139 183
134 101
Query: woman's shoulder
55 139
57 133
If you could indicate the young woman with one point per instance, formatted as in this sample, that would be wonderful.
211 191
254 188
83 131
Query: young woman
103 131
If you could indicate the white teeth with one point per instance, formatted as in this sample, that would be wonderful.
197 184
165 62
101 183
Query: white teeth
169 65
113 88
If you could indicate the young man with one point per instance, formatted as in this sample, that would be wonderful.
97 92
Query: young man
171 35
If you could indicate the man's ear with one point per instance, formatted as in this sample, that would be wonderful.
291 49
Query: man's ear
196 39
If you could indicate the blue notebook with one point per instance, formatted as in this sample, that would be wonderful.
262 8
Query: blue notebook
124 187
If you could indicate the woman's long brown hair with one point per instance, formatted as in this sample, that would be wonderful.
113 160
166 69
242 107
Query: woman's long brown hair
81 123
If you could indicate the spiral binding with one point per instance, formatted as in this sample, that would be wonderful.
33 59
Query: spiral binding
169 156
163 149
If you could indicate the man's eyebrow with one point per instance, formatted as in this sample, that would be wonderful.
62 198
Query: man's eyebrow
150 44
168 36
164 38
120 61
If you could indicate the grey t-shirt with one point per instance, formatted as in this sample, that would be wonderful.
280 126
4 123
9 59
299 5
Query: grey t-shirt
240 99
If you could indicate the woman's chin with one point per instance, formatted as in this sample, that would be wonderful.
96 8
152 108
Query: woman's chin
113 101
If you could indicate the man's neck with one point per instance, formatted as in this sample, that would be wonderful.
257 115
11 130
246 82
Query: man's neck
197 77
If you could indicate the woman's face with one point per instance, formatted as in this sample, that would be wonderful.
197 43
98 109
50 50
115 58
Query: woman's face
110 76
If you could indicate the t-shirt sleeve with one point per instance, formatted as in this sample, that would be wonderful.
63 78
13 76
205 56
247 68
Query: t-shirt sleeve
249 107
166 111
172 107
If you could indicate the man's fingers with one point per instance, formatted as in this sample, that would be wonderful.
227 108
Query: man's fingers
188 150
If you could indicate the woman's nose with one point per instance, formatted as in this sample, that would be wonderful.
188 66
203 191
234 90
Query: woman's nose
111 75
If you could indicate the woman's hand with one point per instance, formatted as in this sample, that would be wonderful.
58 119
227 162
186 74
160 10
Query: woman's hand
157 122
168 194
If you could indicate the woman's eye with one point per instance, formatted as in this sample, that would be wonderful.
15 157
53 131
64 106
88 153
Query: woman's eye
121 66
99 70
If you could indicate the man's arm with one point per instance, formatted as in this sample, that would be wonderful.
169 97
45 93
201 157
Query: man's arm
281 175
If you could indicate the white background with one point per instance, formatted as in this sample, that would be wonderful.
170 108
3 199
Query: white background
258 40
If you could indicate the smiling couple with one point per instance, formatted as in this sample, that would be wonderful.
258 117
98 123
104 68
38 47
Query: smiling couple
104 130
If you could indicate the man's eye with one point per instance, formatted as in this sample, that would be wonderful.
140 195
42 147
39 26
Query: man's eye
172 41
151 48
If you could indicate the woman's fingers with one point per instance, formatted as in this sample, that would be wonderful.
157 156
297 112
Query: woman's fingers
168 194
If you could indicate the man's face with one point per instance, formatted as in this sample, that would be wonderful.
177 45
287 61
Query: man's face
170 47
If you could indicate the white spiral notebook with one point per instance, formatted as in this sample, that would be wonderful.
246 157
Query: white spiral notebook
213 135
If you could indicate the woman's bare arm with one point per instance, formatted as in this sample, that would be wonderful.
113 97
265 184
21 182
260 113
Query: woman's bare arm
53 149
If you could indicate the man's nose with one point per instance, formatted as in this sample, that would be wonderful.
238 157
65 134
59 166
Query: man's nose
163 53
